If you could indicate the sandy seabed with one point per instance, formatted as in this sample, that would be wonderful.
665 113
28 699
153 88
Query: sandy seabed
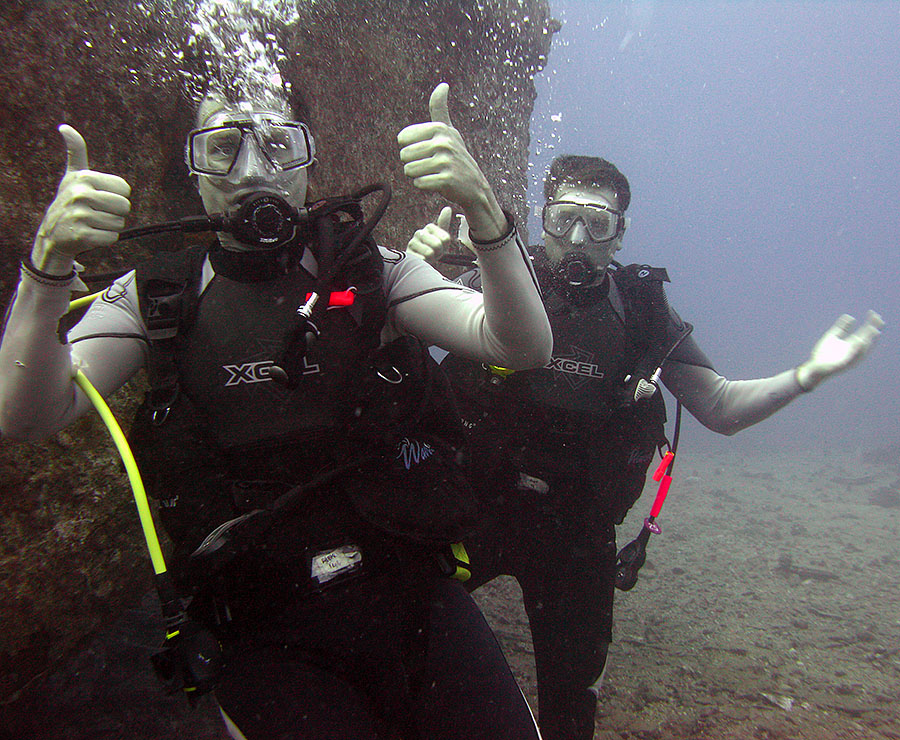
769 607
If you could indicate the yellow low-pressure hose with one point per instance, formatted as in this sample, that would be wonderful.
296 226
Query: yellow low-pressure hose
83 301
131 468
134 476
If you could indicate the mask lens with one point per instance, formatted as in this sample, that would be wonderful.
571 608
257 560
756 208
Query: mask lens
285 144
558 219
213 151
601 224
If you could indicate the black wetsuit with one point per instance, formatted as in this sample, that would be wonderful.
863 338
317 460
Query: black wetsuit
336 620
560 455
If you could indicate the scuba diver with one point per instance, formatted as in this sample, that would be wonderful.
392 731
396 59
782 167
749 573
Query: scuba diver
560 453
302 449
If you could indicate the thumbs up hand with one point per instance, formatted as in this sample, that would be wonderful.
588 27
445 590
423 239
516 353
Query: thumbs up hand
435 156
88 211
433 240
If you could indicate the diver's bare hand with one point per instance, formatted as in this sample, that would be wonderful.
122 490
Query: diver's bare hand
435 156
433 240
841 347
88 211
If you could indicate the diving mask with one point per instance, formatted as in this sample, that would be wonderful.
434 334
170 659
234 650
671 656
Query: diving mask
601 222
285 145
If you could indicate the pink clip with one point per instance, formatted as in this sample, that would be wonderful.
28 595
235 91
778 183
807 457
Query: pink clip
663 465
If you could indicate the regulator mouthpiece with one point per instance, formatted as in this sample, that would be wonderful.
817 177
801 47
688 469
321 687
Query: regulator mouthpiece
576 270
264 220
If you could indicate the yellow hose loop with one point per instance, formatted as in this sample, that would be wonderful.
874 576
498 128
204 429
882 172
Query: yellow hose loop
131 468
84 300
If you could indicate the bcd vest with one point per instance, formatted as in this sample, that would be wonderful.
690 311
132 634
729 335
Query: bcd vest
367 427
575 424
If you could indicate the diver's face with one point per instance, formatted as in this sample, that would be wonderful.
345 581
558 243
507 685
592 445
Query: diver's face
577 239
252 172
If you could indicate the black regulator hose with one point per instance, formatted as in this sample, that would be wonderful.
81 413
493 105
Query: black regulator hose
187 225
332 258
263 219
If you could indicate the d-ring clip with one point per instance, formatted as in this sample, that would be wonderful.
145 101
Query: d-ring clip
396 378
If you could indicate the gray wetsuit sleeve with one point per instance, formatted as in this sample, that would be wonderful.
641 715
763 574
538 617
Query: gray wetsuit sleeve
506 325
722 405
38 395
37 392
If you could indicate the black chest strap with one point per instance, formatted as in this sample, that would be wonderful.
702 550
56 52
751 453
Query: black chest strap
168 288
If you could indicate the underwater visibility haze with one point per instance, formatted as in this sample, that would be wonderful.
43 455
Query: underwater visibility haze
760 139
761 143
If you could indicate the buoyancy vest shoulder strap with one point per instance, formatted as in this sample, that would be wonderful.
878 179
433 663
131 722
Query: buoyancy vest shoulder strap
168 291
646 305
648 318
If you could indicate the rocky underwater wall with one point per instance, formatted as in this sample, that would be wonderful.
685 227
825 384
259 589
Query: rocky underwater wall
127 76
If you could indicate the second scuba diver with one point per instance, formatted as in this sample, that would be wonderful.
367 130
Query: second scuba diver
303 453
561 453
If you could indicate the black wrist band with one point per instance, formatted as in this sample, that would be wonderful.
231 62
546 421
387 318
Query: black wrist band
489 245
30 268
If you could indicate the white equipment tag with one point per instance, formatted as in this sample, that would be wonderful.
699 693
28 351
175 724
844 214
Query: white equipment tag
329 564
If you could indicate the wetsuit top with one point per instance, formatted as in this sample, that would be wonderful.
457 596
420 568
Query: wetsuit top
507 327
720 404
238 332
592 351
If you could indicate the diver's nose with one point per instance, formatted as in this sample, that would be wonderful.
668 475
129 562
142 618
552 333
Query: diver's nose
250 163
578 234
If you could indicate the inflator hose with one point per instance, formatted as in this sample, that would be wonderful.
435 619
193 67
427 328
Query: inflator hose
85 300
131 468
191 656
